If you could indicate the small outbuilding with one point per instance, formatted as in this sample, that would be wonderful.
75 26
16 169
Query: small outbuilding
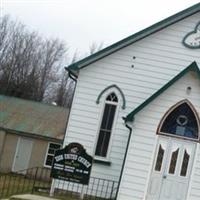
30 132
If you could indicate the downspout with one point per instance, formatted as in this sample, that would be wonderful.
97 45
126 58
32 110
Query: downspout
125 155
74 77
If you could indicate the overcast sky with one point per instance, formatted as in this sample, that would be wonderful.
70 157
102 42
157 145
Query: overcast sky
82 22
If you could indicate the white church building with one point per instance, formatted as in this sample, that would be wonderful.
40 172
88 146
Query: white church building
136 110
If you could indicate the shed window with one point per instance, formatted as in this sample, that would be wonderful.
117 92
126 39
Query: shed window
106 125
50 153
181 121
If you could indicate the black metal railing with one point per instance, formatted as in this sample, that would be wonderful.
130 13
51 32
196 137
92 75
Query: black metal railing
15 183
38 181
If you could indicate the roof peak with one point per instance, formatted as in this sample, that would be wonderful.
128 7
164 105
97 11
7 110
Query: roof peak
135 37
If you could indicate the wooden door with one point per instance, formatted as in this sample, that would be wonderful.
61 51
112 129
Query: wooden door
22 155
172 169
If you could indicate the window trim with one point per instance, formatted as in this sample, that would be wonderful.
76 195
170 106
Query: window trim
48 166
102 107
171 109
113 87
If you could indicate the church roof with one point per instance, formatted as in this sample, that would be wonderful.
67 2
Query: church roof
135 37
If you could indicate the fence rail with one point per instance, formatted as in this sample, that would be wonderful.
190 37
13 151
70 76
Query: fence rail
38 181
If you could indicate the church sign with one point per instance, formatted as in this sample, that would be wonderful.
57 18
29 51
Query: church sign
72 164
192 39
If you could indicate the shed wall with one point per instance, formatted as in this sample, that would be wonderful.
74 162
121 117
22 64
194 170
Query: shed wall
8 152
9 145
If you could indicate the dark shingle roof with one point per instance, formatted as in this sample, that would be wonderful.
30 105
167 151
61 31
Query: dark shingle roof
32 117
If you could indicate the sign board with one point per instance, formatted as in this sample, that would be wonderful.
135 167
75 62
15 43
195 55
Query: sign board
72 164
192 39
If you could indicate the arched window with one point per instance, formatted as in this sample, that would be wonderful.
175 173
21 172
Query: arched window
106 125
117 89
181 121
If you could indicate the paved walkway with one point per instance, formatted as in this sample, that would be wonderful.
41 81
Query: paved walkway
30 197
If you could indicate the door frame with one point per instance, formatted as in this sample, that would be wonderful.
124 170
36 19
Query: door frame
151 165
16 150
153 157
192 171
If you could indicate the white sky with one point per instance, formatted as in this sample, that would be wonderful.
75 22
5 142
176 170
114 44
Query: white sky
82 22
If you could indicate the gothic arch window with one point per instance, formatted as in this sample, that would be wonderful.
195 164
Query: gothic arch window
180 121
106 125
115 87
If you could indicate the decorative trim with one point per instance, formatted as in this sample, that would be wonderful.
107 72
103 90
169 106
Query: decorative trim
135 37
171 110
195 44
103 162
120 91
191 67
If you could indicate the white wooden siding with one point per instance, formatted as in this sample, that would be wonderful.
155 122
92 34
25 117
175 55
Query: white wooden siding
195 183
143 140
159 58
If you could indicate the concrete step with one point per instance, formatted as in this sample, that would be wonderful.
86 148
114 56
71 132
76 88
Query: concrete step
30 197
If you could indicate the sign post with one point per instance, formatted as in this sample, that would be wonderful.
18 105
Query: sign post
72 164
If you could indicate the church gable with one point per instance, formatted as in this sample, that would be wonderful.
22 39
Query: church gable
140 69
192 67
171 117
141 35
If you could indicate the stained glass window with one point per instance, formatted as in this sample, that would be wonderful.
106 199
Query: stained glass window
112 97
185 162
181 122
173 162
159 159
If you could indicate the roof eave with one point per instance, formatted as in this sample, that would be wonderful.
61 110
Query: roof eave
135 37
32 135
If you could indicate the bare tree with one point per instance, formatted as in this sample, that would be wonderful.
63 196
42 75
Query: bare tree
52 53
65 91
28 64
66 86
95 47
